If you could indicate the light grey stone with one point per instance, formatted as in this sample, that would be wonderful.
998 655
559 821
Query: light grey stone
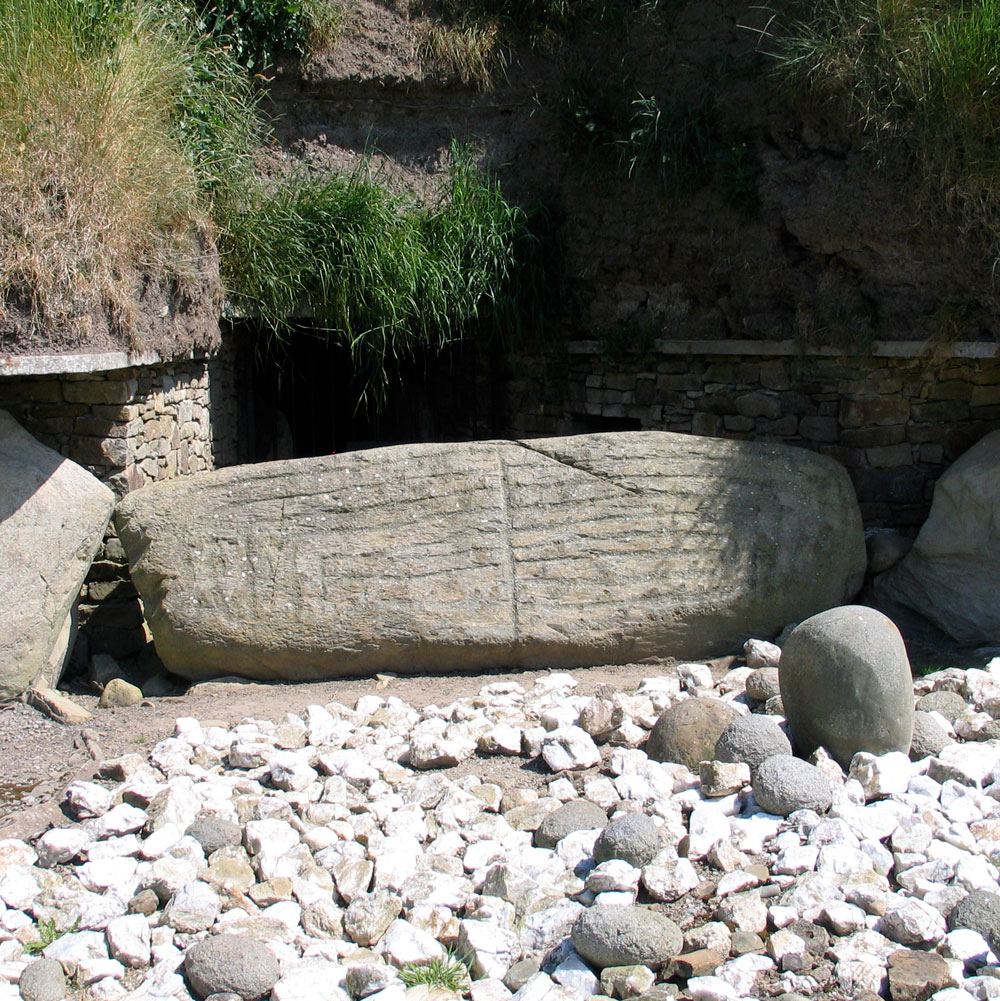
762 684
950 574
213 833
576 815
369 916
231 963
846 684
447 532
625 936
784 784
750 739
635 838
929 737
43 980
53 515
949 704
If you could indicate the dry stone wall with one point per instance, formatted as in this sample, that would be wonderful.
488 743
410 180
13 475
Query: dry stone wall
896 418
129 426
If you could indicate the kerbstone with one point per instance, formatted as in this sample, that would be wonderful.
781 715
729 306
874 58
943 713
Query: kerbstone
846 684
53 515
471 555
950 574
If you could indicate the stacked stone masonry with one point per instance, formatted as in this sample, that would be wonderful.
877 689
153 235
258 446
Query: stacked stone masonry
129 427
896 422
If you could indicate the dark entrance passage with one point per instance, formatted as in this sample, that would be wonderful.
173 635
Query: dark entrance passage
300 397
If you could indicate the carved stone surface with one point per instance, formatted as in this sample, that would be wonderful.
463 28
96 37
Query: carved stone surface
550 552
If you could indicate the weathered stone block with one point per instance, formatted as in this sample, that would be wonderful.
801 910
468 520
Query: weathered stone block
890 456
879 410
950 576
565 551
951 389
819 428
758 405
52 519
877 437
942 411
101 391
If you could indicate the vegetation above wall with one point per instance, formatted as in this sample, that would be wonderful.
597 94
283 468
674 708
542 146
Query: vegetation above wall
130 134
916 77
131 147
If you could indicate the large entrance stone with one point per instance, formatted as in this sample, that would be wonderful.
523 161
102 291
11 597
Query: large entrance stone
434 557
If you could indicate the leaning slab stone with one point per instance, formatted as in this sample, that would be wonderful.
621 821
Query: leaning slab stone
551 552
846 684
951 573
53 515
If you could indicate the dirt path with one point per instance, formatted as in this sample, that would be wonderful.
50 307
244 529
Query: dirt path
40 755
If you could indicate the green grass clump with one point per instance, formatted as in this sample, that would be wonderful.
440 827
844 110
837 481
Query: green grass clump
914 76
47 934
446 973
381 273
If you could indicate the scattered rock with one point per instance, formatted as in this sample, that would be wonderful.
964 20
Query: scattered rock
916 975
784 784
751 739
118 692
635 838
576 815
929 737
231 963
43 980
625 936
763 684
686 733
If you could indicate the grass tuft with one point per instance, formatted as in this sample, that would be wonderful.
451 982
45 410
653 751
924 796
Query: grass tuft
913 76
472 51
383 274
446 973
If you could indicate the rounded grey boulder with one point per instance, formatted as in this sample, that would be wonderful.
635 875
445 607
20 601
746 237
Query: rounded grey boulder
846 684
213 833
686 732
751 739
950 705
42 980
636 838
576 815
233 964
980 911
625 936
762 684
929 737
784 784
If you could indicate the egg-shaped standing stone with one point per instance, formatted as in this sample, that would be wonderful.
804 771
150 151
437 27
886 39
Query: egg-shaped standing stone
846 684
